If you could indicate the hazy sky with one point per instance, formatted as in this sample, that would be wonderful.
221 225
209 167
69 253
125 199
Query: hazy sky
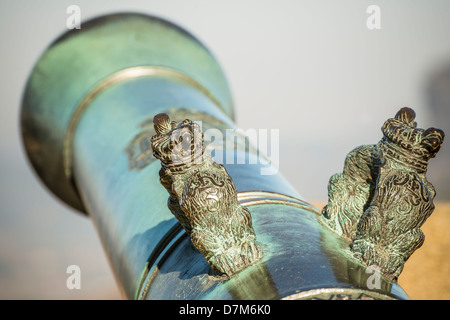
311 69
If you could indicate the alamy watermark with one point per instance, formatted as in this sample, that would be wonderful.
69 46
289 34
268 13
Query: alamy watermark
374 281
73 21
373 22
228 146
74 280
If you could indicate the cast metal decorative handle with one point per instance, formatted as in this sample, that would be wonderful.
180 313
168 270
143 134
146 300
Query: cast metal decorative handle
382 198
203 197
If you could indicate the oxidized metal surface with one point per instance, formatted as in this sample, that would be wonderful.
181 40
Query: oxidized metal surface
382 198
302 259
88 135
350 191
122 75
337 294
106 51
203 197
127 204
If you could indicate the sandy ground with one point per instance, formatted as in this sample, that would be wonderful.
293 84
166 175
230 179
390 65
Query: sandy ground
427 273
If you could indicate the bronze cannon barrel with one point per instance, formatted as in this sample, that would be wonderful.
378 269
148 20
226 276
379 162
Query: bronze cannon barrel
88 121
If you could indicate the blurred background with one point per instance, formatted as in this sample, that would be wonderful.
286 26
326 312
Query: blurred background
312 69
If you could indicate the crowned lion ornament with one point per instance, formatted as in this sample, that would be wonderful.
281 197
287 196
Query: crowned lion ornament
382 197
203 198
